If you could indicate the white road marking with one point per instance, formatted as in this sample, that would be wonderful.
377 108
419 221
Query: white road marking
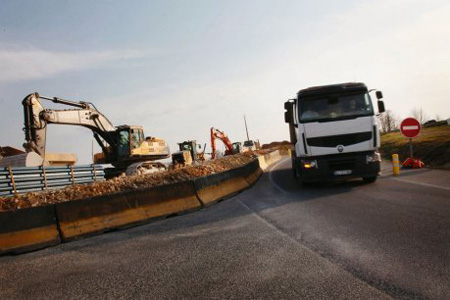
422 183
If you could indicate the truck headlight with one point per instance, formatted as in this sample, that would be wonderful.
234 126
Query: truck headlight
375 157
309 164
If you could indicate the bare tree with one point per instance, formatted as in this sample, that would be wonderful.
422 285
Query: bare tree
388 121
419 115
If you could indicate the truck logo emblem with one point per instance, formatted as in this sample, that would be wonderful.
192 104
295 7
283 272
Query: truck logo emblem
340 148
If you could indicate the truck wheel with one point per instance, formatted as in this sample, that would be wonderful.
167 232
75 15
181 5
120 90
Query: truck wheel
369 179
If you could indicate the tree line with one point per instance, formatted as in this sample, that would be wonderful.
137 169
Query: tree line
389 121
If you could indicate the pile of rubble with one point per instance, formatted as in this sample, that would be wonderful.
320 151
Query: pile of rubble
120 184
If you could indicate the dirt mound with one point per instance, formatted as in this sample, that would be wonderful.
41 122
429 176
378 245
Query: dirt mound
277 145
120 184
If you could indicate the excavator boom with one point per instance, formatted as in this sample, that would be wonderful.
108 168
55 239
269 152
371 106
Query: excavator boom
37 117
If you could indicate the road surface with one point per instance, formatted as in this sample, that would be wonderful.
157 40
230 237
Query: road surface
277 240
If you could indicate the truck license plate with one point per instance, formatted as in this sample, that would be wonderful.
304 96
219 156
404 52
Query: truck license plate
343 172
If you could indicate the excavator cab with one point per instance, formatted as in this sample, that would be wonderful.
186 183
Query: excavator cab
123 143
237 147
129 139
136 137
190 146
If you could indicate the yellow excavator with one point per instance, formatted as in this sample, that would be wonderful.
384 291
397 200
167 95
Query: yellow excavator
189 154
125 147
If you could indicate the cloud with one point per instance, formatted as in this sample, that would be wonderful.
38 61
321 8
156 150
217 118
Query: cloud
34 63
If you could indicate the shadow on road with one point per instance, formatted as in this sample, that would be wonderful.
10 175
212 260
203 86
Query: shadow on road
274 189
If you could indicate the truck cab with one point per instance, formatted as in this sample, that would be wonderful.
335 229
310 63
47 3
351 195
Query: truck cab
334 132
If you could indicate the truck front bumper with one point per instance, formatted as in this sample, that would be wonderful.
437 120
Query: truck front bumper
338 166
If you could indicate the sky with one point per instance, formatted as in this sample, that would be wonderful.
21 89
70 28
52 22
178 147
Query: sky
180 67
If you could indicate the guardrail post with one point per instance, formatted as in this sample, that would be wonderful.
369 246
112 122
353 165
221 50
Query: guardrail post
72 177
95 172
11 177
44 174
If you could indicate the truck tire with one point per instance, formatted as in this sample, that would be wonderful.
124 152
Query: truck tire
369 179
294 168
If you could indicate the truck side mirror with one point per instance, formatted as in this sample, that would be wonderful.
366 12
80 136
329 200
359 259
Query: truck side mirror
288 117
379 95
289 106
381 106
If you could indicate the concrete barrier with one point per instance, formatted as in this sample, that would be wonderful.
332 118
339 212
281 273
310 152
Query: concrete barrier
28 229
215 187
253 172
272 157
104 213
253 177
34 228
267 159
285 152
262 162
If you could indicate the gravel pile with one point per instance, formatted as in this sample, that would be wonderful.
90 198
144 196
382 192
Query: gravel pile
120 184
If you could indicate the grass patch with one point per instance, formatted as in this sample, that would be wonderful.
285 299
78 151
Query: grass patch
432 146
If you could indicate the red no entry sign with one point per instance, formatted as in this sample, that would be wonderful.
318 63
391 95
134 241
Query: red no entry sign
410 127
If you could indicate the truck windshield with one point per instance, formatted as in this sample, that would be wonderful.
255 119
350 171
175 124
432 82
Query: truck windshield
337 107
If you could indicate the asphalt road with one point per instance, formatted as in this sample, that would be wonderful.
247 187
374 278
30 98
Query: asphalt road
277 240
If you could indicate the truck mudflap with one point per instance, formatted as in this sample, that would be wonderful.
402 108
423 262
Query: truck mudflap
339 166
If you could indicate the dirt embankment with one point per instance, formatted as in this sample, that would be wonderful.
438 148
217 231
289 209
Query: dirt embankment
284 145
120 184
432 146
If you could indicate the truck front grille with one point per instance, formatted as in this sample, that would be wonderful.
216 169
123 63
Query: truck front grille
332 141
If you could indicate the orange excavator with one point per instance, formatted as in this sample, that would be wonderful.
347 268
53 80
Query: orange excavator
231 148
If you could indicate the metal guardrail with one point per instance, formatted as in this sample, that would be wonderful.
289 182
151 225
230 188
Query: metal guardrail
20 180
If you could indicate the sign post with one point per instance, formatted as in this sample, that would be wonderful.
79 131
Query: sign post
411 154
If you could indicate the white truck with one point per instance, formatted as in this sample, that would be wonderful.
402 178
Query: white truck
334 132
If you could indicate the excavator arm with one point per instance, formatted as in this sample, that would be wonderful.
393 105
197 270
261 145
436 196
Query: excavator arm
37 117
215 133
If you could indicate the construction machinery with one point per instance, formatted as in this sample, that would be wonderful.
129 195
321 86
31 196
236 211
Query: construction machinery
231 148
124 147
237 147
249 145
188 154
